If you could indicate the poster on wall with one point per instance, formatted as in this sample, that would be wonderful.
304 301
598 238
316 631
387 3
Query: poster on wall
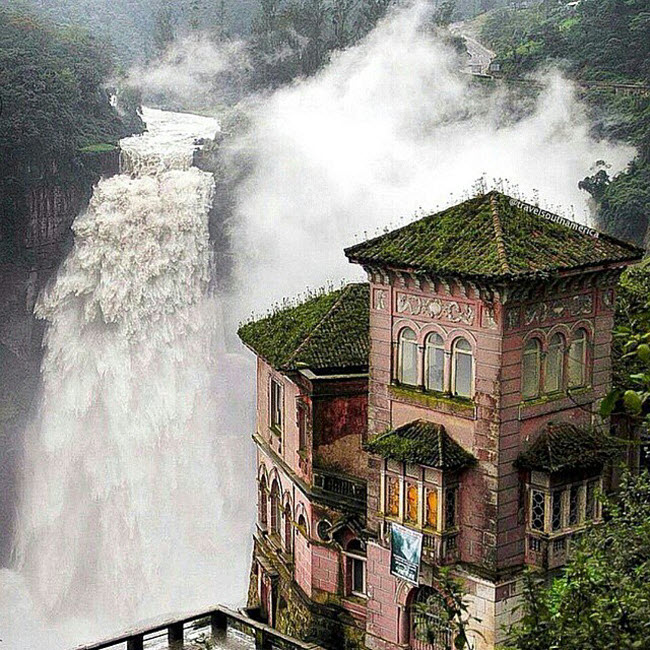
405 553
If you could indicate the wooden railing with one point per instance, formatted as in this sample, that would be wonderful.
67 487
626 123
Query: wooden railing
335 485
220 620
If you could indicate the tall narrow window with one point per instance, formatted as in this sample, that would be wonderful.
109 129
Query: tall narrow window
288 530
303 426
275 508
275 402
578 359
411 506
435 363
463 368
556 510
537 510
432 508
392 496
574 505
591 505
408 357
531 369
355 553
262 503
554 368
451 503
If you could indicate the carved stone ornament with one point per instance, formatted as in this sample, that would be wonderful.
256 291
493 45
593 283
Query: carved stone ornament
435 308
380 299
572 306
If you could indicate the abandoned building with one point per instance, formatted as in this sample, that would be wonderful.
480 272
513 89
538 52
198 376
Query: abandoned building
445 413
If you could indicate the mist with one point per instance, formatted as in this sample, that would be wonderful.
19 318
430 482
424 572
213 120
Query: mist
388 131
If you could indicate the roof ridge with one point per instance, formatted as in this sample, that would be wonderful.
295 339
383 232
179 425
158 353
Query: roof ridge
498 233
309 336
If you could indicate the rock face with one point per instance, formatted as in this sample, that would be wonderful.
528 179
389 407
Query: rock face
35 236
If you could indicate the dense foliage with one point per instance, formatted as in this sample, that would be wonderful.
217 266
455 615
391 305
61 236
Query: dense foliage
53 95
602 601
596 41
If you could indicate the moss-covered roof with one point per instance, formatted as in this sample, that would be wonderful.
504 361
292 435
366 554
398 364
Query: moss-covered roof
424 443
324 333
562 447
492 236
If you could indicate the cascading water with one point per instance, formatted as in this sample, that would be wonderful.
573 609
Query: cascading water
133 470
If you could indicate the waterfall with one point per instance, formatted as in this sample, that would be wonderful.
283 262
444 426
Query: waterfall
132 504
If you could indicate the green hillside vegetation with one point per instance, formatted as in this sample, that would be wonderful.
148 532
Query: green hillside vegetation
598 41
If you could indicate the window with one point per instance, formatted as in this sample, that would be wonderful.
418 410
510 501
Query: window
574 505
578 360
435 363
355 553
450 507
554 368
463 368
556 511
537 510
432 508
430 627
261 503
288 530
303 426
392 496
531 369
408 358
276 405
275 508
591 505
411 509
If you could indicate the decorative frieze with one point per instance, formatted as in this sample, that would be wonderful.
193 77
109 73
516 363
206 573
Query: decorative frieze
550 310
435 308
379 299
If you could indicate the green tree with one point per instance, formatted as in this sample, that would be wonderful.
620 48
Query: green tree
602 600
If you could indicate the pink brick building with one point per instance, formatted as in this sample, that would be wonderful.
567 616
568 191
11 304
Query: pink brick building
444 414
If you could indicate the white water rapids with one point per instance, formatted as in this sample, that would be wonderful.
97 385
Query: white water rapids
136 467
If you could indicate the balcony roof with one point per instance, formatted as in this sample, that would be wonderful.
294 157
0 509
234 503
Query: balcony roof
423 443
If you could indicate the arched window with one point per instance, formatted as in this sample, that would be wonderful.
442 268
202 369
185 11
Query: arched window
463 364
431 628
531 369
288 530
302 524
407 362
578 359
435 363
275 508
554 366
262 496
355 553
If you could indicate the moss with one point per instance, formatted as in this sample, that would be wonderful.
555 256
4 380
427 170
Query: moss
327 331
103 147
424 443
466 239
433 401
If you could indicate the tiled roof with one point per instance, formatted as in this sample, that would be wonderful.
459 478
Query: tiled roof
424 443
327 332
492 236
562 447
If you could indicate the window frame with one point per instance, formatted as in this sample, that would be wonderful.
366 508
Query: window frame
528 351
401 344
276 405
455 353
559 348
431 348
356 558
581 335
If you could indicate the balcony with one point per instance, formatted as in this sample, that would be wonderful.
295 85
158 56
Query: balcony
440 548
549 551
338 489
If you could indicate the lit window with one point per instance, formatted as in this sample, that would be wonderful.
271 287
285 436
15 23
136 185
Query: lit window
531 369
578 360
276 404
275 508
463 368
392 496
432 508
408 358
356 567
554 368
412 503
435 363
537 510
450 507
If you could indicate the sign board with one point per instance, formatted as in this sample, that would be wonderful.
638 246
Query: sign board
405 552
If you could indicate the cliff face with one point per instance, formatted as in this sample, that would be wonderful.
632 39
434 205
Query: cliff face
38 207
